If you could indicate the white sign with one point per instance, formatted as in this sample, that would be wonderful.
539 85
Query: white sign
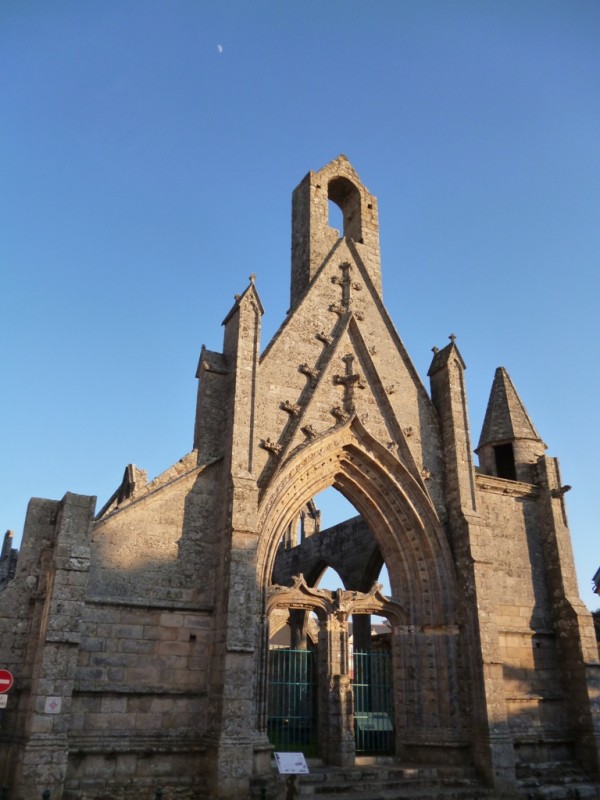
3 700
53 705
291 763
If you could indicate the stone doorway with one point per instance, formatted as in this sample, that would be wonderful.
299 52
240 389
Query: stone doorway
394 526
323 697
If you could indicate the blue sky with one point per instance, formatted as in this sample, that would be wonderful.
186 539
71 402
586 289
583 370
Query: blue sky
145 174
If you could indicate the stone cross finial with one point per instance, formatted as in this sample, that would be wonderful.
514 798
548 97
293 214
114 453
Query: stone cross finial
452 337
346 282
350 381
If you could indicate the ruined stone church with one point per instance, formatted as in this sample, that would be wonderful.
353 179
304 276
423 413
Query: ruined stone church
172 641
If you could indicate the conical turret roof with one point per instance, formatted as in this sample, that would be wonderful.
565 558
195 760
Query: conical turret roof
506 418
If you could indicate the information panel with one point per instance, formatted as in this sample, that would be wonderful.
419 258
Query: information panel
291 763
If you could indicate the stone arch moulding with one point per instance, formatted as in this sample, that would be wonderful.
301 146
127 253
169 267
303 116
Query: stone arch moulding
393 503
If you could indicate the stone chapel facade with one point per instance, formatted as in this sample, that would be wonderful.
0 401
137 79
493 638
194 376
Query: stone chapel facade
141 637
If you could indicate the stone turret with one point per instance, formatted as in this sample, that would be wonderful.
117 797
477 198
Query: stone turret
509 444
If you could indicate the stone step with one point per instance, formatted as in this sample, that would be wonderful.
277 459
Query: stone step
554 780
580 791
392 782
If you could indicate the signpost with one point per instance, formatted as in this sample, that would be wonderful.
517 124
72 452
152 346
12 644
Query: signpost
293 765
6 680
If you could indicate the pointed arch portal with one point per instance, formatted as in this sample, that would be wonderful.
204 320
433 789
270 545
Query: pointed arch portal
421 611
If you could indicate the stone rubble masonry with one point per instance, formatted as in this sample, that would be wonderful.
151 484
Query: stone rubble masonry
139 637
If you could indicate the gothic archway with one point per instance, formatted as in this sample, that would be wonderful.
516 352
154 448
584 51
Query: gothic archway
400 515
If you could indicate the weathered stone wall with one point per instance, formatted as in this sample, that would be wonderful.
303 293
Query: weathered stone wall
140 702
158 547
140 699
348 548
535 700
51 584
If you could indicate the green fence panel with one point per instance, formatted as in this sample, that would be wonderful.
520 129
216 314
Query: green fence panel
292 700
373 705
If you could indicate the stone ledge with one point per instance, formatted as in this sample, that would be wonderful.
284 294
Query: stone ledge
163 605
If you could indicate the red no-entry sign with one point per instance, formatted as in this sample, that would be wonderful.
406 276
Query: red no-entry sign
6 680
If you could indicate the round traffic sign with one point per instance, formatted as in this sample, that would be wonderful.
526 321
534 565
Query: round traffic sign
6 680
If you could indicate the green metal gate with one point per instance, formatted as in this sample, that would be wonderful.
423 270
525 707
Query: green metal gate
373 706
292 700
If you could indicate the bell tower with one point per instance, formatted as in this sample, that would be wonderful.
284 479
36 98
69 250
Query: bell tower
313 240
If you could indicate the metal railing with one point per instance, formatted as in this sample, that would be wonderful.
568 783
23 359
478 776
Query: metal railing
373 705
292 708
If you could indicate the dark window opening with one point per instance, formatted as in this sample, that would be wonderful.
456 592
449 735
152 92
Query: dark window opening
505 462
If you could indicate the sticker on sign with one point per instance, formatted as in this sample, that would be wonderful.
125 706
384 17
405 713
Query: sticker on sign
6 680
53 705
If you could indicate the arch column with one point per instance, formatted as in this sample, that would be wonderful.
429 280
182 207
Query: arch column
336 703
298 622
